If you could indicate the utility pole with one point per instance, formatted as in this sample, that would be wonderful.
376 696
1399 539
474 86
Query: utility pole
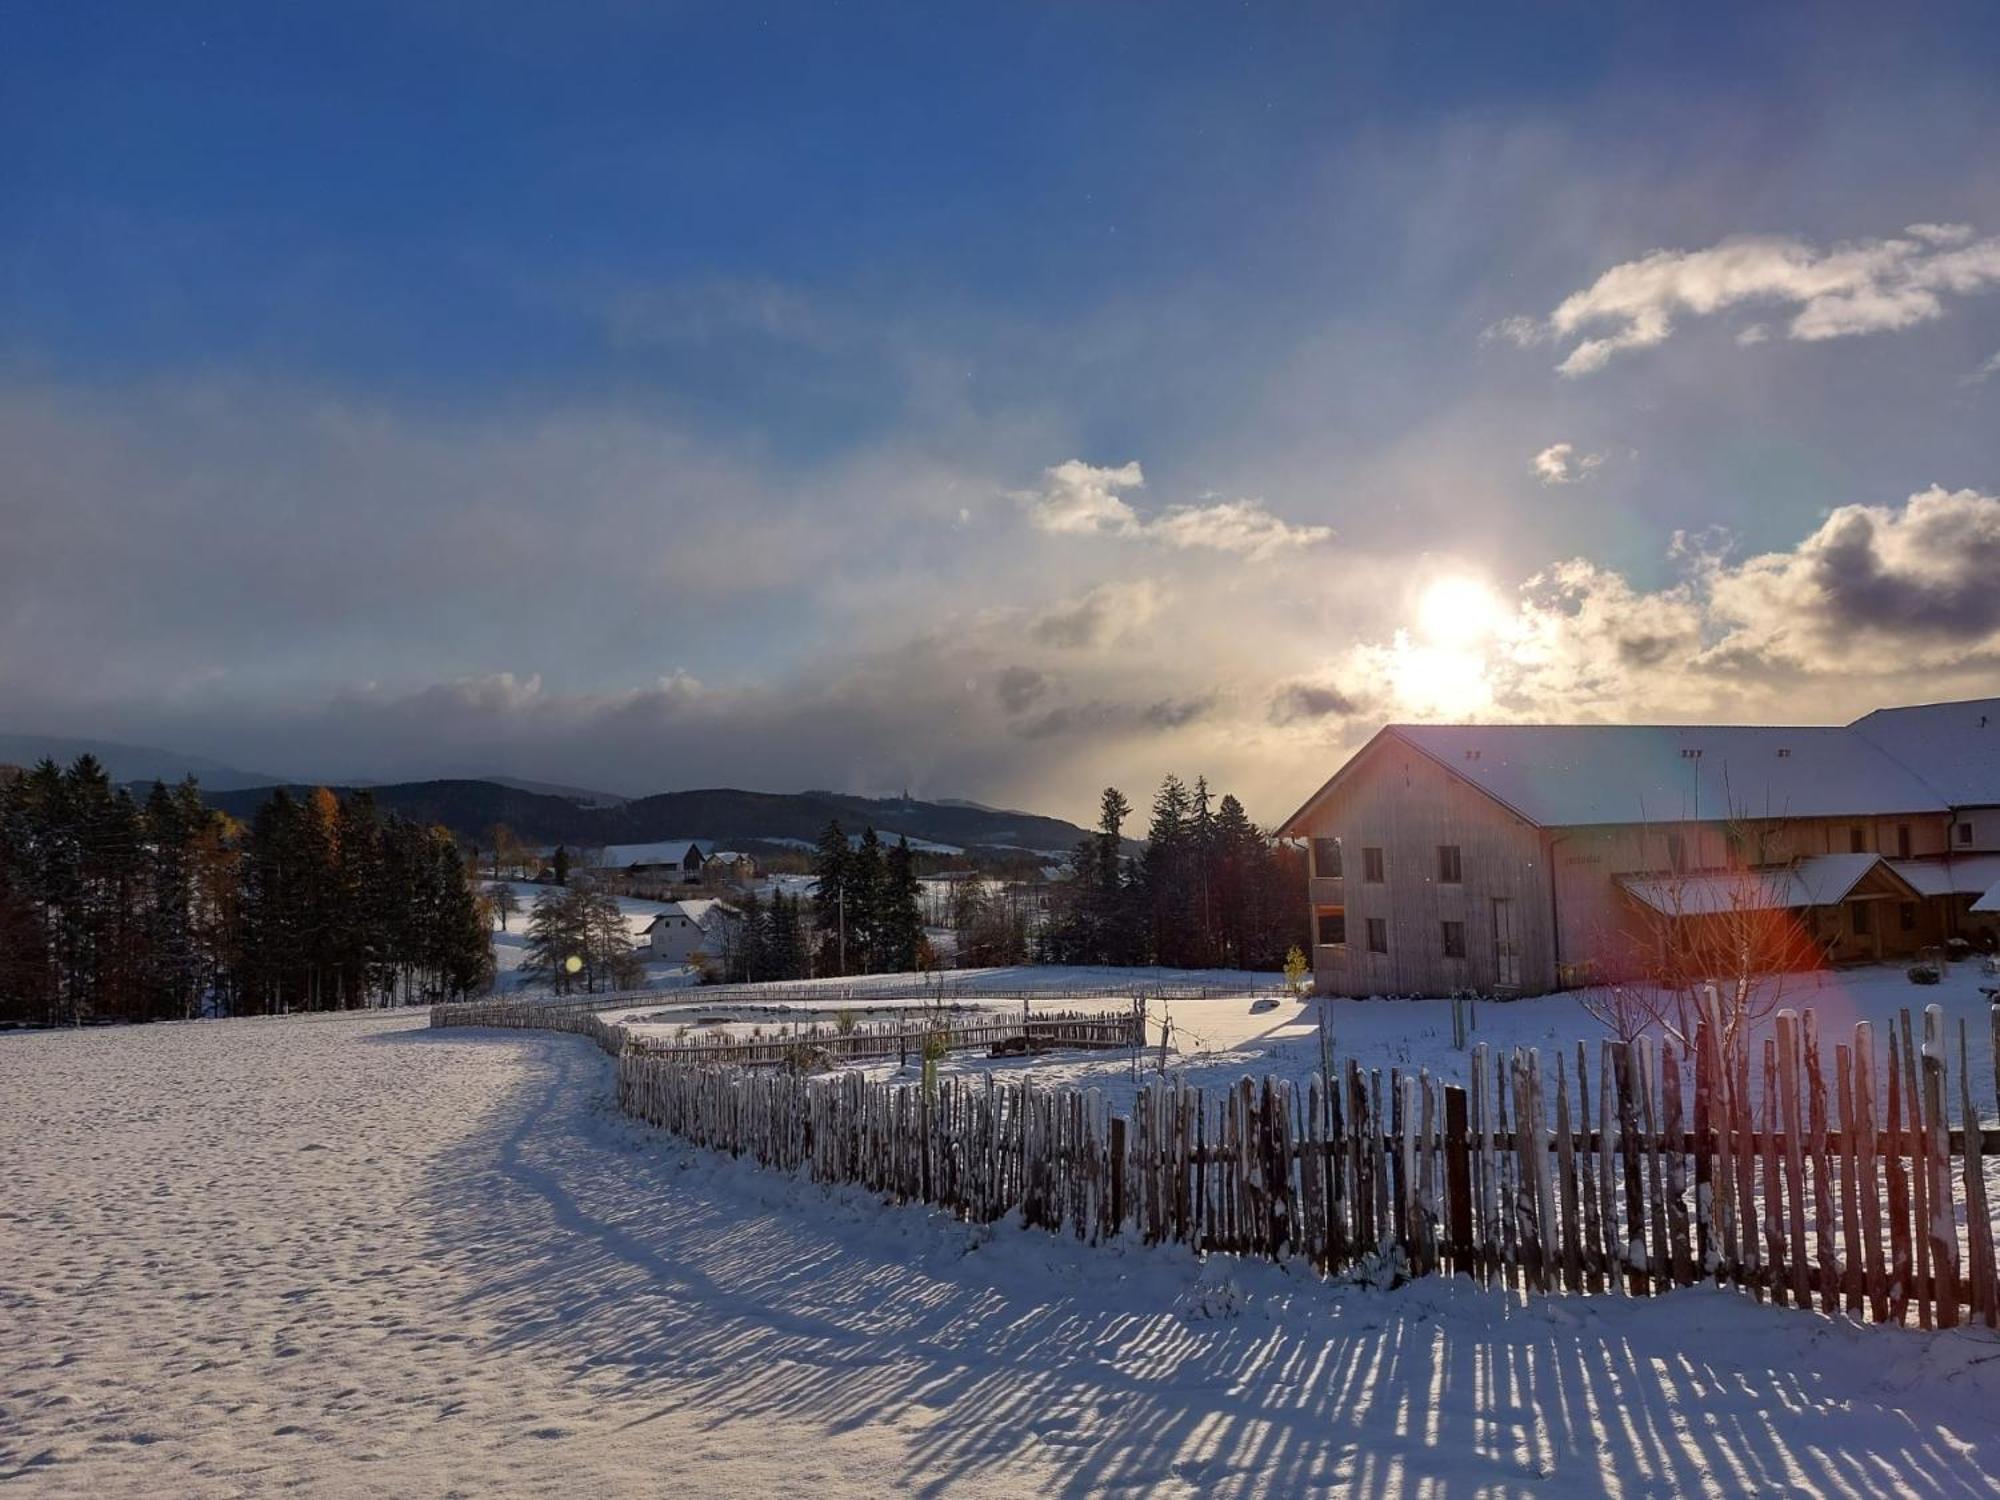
843 931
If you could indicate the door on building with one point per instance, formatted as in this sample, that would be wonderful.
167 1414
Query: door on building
1506 946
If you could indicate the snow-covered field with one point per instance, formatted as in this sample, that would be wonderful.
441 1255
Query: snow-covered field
510 948
349 1256
1215 1041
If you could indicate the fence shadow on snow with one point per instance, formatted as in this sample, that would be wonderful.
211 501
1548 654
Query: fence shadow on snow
1804 1190
657 1278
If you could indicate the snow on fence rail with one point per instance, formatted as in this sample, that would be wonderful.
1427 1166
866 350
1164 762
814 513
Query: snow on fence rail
1069 1029
1805 1193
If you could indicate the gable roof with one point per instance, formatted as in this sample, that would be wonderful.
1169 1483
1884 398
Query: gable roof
703 913
1954 747
1821 880
658 852
1576 775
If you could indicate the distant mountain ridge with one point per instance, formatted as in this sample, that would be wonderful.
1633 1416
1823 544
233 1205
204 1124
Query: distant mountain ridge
727 814
130 763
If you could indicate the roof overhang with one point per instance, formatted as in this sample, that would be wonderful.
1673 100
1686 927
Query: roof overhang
1822 880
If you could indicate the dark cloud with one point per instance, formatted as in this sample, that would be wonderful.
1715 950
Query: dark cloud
1934 571
1019 688
1310 700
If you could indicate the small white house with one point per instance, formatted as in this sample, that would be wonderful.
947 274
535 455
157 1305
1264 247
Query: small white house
683 928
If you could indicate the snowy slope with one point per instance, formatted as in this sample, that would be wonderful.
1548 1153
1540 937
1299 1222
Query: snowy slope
347 1257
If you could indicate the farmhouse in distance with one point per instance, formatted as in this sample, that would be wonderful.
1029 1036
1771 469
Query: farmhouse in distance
1517 859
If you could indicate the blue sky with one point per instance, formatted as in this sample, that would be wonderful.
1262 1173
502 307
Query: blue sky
665 395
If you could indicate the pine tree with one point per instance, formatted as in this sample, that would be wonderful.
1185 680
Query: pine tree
831 896
867 884
899 930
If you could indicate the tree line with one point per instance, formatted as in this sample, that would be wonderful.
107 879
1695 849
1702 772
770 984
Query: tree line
1211 890
867 910
117 909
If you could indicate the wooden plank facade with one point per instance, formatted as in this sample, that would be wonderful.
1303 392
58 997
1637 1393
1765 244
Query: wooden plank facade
1423 882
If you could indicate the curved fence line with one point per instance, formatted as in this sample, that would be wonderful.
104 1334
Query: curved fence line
1807 1192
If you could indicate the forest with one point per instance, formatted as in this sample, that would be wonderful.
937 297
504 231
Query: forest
1209 891
114 908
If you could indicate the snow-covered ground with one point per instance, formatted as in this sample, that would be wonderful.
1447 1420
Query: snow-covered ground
510 948
348 1256
1215 1041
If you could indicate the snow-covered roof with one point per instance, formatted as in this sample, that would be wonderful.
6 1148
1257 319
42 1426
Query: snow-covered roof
1951 875
1822 880
700 912
1954 747
1571 775
1990 901
659 852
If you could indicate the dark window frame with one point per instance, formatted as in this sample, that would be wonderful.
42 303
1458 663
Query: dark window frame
1324 915
1451 865
1320 846
1377 934
1374 865
1451 936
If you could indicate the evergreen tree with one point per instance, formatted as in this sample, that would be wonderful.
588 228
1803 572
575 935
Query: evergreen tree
831 896
867 883
561 865
899 918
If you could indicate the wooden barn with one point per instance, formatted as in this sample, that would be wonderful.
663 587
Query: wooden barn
1518 858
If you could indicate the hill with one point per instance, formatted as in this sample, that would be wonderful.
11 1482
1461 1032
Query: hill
130 763
726 814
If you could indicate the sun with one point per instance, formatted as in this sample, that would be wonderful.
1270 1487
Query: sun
1458 612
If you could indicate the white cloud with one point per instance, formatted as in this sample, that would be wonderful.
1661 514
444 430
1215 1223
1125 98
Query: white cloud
1831 626
1110 612
1080 499
1862 286
1985 372
1560 463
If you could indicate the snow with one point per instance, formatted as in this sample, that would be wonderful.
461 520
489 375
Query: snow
348 1256
1953 746
659 852
1560 775
1219 1039
510 948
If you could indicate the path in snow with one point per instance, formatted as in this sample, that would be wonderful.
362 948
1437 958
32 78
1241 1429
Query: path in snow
346 1256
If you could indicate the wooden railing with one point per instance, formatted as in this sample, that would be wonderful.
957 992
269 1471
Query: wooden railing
1848 1188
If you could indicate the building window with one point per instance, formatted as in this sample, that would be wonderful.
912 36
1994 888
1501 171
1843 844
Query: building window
1902 841
1676 853
1326 857
1453 935
1378 935
1965 833
1371 866
1332 923
1857 841
1906 915
1450 871
1858 917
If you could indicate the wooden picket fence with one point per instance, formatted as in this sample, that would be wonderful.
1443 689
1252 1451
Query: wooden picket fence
580 1017
1074 1030
1825 1201
1847 1189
